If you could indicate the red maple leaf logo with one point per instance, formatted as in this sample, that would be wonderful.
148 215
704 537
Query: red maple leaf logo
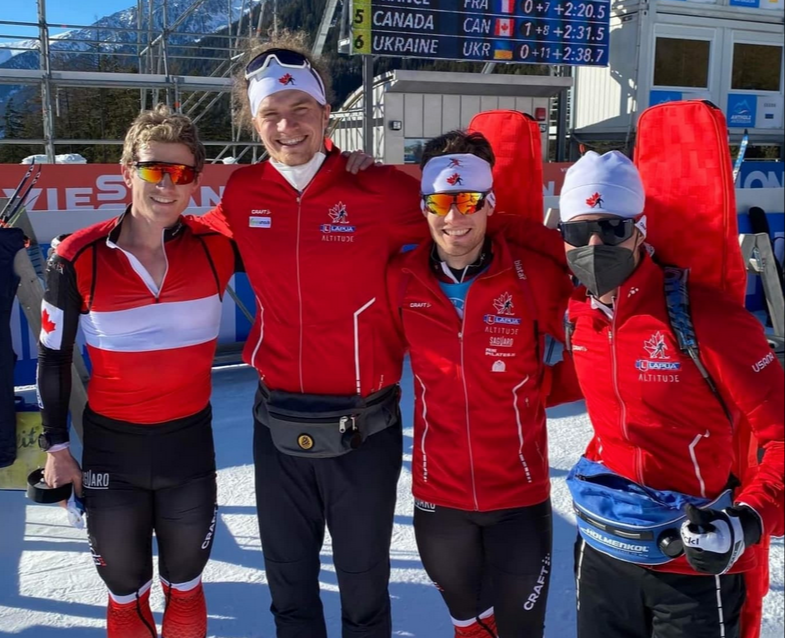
286 79
47 324
454 179
504 26
595 200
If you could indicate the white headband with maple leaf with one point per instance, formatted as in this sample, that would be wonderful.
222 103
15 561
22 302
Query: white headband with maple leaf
456 173
276 78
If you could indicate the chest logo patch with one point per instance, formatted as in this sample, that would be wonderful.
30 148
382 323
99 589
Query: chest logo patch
505 311
658 358
260 222
339 229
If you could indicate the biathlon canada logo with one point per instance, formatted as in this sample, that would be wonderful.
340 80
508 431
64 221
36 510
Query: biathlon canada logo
505 311
455 180
595 201
286 79
340 229
658 359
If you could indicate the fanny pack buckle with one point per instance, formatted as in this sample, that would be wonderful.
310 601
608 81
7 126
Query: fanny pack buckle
344 421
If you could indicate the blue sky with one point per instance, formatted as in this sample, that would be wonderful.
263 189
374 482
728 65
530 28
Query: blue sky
57 11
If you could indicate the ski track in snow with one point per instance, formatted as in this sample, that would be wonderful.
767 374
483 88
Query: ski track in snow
49 587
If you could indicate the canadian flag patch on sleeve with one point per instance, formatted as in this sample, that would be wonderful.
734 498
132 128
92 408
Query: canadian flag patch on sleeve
51 326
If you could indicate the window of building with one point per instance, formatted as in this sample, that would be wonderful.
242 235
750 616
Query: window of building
756 67
681 62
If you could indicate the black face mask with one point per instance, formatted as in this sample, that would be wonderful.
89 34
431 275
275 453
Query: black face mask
601 268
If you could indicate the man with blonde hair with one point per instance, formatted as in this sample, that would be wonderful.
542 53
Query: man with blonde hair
146 289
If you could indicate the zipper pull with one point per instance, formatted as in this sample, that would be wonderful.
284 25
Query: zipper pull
342 424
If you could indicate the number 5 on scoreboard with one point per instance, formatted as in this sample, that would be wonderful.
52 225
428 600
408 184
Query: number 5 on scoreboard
361 26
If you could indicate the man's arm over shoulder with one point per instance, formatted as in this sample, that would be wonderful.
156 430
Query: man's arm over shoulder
739 357
552 288
534 236
60 311
222 249
397 281
402 207
219 219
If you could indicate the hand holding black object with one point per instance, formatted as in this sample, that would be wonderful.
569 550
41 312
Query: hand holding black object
715 539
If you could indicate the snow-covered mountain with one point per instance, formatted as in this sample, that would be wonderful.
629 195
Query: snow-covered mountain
114 33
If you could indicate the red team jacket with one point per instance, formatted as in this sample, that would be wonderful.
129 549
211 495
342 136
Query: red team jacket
151 354
655 419
479 424
317 263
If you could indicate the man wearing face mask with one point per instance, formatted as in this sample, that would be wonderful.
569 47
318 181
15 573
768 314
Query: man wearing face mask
316 240
663 435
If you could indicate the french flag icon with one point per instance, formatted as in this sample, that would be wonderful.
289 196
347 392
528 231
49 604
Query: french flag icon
506 6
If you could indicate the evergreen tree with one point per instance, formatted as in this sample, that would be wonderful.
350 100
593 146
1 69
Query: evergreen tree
13 128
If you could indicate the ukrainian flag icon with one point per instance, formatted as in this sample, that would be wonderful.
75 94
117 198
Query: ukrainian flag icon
502 50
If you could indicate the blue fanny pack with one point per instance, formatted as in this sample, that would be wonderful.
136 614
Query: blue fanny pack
627 521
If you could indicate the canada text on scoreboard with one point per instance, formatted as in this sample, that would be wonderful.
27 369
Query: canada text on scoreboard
568 32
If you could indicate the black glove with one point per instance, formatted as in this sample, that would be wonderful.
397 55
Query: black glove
714 540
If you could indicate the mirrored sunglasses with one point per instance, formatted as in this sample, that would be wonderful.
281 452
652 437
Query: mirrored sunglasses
153 172
466 203
611 232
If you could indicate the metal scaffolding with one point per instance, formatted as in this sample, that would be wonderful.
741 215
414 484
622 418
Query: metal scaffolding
158 48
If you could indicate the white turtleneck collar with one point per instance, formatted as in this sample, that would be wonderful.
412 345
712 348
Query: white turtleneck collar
300 176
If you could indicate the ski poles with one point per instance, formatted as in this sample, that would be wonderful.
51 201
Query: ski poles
14 204
740 157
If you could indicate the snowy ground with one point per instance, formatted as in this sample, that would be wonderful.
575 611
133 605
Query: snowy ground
49 588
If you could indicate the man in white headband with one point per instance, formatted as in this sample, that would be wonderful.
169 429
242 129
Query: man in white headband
473 309
315 240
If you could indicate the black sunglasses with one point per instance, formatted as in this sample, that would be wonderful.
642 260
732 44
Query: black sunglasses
611 232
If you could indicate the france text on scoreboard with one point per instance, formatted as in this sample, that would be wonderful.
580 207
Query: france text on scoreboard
572 32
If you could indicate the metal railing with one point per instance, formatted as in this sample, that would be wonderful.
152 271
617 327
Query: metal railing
154 48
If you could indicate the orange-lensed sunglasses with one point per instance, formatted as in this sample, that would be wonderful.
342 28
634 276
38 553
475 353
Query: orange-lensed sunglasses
466 203
153 172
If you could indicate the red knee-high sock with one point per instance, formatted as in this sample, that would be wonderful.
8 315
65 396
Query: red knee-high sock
483 627
131 619
186 613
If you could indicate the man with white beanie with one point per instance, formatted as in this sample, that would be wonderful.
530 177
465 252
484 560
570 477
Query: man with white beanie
664 519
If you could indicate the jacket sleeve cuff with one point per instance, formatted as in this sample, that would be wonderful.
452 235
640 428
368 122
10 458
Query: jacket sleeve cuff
58 447
56 436
753 512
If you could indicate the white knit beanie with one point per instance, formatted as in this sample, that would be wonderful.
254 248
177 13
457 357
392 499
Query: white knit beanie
608 184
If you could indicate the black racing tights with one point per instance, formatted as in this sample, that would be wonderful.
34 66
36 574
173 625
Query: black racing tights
483 560
144 479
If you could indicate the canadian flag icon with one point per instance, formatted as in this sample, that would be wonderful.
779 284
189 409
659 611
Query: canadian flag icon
51 326
504 27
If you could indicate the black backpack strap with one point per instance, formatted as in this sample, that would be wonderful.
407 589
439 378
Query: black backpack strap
531 306
677 299
569 329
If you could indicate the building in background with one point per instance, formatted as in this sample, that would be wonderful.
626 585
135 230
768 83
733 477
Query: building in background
727 51
411 107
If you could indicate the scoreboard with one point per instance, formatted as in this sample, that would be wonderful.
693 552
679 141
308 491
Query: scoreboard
570 32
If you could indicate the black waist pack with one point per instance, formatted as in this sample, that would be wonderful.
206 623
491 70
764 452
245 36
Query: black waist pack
325 425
